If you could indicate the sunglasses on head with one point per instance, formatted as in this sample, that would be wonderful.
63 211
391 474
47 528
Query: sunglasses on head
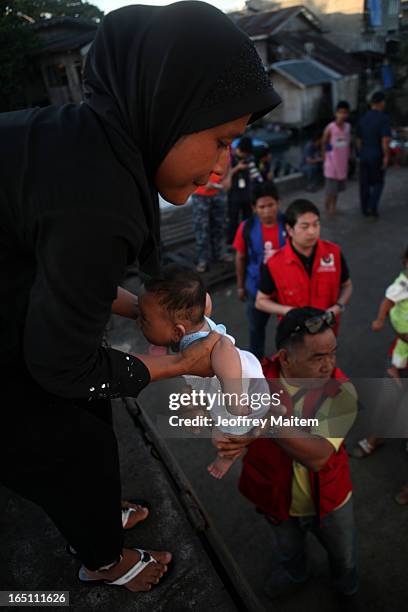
315 324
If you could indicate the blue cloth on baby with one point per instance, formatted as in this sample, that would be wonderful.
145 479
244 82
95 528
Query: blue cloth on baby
190 338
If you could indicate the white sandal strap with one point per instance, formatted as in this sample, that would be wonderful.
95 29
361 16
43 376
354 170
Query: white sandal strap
366 446
126 512
145 559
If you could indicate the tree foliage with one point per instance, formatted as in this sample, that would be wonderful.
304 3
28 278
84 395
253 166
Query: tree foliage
19 41
44 9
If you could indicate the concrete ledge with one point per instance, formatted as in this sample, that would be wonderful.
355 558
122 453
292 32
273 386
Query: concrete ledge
292 182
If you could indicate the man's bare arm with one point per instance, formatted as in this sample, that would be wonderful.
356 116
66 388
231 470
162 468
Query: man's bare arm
267 304
311 451
240 264
385 142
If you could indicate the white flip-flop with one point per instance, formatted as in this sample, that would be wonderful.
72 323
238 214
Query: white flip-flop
145 559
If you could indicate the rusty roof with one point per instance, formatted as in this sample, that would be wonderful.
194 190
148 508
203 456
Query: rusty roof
266 23
323 51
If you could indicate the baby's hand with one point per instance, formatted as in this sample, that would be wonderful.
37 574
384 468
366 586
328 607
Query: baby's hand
377 325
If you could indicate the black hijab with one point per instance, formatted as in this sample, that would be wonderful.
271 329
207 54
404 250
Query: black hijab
154 74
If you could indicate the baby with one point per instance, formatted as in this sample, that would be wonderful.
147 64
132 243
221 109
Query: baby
395 304
173 313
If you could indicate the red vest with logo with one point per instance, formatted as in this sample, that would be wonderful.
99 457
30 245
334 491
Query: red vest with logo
295 288
267 472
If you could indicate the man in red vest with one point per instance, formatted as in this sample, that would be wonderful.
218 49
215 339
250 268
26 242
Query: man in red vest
307 271
299 478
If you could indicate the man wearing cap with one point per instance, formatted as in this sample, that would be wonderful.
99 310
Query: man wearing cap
373 140
307 271
299 478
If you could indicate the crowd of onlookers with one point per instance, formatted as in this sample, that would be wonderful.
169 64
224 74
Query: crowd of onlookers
285 268
330 153
283 265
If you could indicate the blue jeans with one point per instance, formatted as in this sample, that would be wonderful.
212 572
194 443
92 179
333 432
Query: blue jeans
337 535
257 328
371 185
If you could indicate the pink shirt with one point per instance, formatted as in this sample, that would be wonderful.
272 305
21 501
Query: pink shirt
336 160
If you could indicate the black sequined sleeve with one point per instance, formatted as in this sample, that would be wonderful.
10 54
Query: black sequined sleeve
81 261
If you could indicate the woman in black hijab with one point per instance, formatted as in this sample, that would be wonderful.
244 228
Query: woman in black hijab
166 91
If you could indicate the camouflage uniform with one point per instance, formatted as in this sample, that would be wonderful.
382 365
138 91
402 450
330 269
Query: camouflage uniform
209 226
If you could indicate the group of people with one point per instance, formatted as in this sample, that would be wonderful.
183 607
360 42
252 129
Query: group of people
283 267
78 195
334 152
218 206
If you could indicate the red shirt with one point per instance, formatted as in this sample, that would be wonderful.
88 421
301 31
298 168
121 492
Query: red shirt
270 237
214 178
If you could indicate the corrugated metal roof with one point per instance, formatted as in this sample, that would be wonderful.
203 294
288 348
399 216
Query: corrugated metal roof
68 43
305 72
324 51
266 22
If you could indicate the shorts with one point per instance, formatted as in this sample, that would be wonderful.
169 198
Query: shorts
333 186
399 357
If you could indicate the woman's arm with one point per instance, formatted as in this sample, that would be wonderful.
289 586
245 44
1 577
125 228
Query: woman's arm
126 304
195 360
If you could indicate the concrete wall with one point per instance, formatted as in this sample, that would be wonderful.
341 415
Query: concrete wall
346 89
299 106
73 91
262 48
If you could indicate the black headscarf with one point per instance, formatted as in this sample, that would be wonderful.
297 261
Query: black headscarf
154 74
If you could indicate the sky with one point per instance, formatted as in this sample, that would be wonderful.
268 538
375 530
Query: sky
110 5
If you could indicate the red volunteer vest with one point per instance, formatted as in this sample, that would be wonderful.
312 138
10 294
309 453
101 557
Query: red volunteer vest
295 288
266 477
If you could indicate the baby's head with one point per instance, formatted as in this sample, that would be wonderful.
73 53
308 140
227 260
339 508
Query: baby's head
174 304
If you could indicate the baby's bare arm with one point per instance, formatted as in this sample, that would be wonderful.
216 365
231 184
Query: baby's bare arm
226 365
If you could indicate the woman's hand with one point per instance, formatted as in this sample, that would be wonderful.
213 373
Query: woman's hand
196 358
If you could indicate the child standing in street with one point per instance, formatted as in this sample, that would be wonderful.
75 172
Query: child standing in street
336 153
395 304
256 240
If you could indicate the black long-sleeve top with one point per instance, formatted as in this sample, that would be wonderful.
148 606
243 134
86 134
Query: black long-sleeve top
69 225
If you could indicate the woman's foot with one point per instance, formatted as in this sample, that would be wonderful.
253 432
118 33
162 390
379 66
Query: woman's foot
132 514
144 581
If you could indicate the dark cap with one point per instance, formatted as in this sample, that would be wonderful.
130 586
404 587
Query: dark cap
295 321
